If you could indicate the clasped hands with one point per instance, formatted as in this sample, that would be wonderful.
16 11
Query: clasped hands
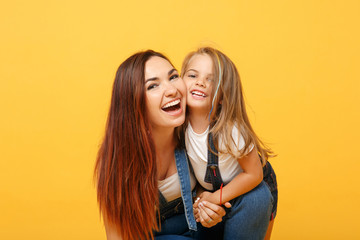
207 210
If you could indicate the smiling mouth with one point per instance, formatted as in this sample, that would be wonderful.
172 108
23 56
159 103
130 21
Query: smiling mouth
197 93
172 106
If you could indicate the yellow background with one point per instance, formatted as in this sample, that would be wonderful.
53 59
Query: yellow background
299 62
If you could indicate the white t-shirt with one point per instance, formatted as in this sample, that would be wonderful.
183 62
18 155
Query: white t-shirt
197 150
170 186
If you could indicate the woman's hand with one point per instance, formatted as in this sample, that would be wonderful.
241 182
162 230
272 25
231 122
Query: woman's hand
208 213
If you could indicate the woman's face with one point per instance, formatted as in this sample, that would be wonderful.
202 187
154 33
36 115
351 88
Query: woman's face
165 94
199 82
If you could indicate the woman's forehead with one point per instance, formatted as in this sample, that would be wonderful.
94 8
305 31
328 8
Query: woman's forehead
156 67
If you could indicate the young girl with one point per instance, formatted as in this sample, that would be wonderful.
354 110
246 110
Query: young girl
224 149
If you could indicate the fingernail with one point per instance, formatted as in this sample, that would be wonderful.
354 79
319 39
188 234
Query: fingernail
204 203
201 204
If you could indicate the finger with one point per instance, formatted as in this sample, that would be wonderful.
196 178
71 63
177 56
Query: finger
227 205
203 214
197 214
195 205
210 217
213 215
215 208
212 223
208 222
203 221
209 212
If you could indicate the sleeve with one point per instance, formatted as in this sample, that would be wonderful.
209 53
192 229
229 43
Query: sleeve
239 140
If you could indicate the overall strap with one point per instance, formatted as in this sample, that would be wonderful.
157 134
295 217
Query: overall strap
162 200
182 167
212 174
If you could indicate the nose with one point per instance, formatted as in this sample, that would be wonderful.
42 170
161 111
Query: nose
170 90
200 82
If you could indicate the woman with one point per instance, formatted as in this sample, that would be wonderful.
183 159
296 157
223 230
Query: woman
140 154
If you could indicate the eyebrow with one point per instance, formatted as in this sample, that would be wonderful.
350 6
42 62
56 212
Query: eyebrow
151 79
192 70
156 78
210 74
171 71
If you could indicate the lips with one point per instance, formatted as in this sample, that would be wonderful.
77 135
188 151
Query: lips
198 93
172 106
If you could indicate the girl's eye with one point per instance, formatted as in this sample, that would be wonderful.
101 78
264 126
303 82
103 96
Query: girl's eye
175 76
191 76
151 86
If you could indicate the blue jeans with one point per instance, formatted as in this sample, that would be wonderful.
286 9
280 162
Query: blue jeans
174 227
270 179
248 218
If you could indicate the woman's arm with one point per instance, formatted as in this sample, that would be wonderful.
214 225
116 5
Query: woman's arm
245 181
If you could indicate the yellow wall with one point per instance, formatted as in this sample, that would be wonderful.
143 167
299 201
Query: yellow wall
299 62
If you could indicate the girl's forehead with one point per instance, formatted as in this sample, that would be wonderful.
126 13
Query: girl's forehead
201 62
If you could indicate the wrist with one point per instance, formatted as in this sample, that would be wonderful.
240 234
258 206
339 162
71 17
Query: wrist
218 196
215 198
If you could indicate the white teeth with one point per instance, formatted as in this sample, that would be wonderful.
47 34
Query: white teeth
198 93
173 103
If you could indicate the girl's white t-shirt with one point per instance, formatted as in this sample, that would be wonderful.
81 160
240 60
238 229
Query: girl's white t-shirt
197 150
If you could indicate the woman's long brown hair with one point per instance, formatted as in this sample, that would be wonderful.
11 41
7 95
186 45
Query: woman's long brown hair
125 170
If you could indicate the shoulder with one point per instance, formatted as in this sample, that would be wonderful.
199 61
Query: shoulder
234 139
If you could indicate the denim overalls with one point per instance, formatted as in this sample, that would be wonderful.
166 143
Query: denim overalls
177 216
213 175
249 215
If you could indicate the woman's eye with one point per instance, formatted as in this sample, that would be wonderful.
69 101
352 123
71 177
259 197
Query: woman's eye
151 86
175 76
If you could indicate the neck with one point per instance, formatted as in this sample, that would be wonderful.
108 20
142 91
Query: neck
199 120
164 141
165 144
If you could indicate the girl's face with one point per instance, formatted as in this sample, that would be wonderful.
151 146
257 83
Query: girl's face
199 78
165 94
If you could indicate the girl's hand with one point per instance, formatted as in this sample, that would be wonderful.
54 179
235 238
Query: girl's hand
210 197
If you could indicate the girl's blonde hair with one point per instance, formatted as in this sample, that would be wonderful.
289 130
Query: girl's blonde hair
228 108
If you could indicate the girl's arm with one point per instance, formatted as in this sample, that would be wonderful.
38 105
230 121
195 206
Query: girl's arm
245 181
208 214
